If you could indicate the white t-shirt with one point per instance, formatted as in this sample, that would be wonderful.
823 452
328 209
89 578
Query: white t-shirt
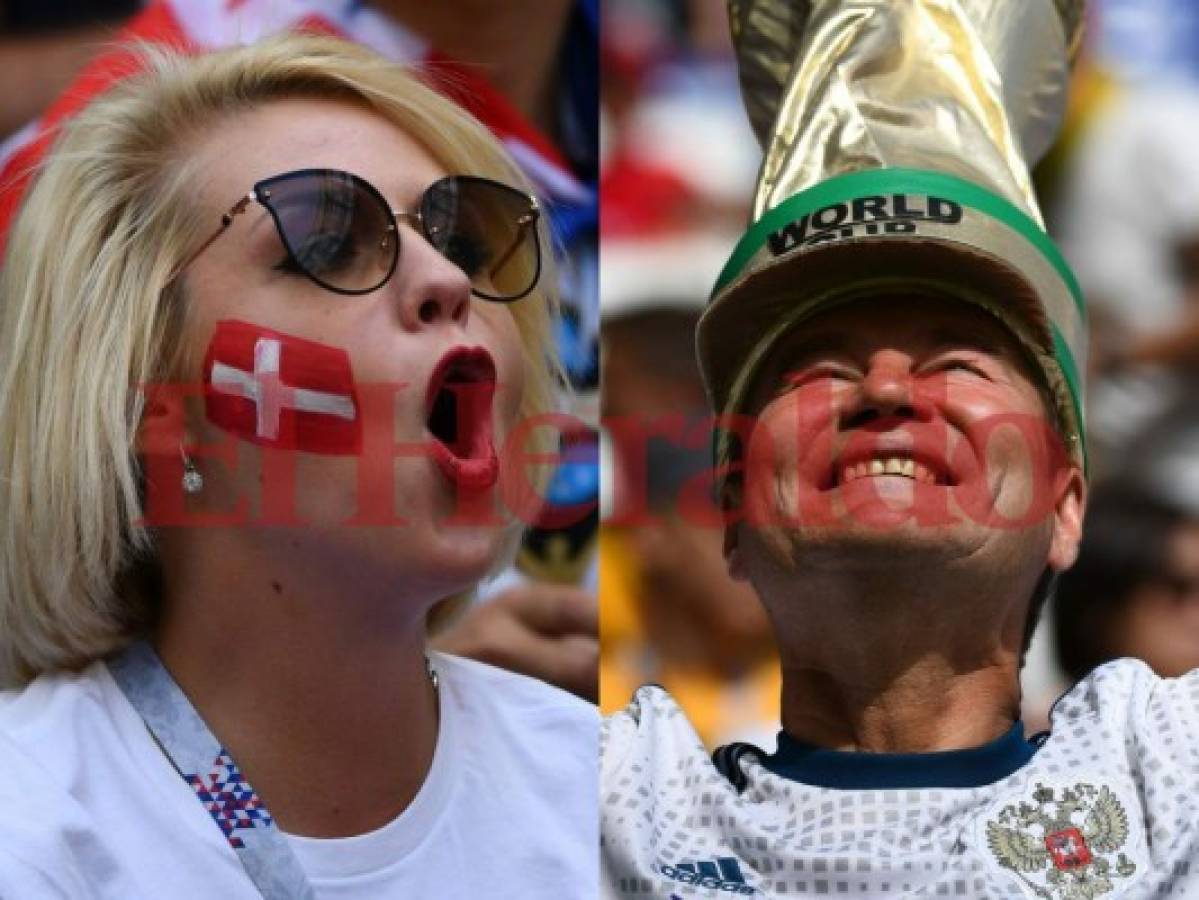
90 807
1105 808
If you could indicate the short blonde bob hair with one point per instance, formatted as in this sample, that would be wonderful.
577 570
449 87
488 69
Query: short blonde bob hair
89 311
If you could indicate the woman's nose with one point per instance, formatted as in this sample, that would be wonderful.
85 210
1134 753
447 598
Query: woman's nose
432 290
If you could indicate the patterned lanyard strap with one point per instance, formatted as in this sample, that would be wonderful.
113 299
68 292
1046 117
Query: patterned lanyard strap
211 773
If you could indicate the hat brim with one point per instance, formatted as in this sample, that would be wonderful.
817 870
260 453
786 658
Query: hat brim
744 322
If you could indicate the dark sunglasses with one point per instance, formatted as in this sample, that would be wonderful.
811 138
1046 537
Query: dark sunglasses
340 232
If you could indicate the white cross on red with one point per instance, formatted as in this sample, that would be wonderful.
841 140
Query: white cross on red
270 395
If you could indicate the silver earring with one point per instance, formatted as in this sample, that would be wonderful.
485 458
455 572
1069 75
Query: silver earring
193 481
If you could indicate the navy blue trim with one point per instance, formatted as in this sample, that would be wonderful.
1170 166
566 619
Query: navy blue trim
822 767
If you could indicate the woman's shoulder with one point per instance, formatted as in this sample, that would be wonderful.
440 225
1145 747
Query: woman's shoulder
522 716
56 709
510 692
43 722
538 741
66 730
77 736
90 807
55 735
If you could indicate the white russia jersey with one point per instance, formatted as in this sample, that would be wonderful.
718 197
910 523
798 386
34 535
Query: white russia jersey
90 808
1107 807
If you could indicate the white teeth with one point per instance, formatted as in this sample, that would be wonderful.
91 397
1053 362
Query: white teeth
891 465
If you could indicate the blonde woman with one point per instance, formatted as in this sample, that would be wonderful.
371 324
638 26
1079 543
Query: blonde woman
270 318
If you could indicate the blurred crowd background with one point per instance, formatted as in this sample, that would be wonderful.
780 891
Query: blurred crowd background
1120 193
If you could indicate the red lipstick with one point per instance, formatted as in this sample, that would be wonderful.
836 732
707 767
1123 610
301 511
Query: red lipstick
458 416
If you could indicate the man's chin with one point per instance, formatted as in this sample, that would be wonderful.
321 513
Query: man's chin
853 543
877 504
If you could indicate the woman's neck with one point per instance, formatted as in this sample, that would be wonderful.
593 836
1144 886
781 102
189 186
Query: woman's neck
299 673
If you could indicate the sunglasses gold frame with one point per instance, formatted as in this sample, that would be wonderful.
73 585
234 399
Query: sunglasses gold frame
415 220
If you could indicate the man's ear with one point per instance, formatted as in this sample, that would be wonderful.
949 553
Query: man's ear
732 553
1068 513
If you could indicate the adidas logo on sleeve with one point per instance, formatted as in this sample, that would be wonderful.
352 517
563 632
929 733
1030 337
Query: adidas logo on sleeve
720 874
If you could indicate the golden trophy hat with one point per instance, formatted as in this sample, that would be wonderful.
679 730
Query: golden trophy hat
898 136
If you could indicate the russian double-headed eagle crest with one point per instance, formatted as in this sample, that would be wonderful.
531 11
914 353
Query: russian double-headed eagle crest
1069 843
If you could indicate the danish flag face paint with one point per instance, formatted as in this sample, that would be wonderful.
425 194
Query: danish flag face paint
280 391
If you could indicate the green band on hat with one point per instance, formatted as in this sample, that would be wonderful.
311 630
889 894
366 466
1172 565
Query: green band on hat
847 187
1065 359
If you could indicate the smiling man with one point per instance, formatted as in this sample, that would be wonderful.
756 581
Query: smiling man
896 349
905 497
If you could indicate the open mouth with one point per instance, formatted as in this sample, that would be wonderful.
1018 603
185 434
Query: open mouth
458 416
919 467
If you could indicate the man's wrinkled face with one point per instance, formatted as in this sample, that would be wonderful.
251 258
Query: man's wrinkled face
902 427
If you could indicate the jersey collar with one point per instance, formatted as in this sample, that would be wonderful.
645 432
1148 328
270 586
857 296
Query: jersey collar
822 767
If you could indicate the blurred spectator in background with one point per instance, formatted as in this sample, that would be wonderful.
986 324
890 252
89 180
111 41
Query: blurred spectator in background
1130 218
678 165
1130 226
44 44
1135 588
1123 194
1149 41
671 613
1126 196
678 155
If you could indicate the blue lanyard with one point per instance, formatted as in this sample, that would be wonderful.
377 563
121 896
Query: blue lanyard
211 773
